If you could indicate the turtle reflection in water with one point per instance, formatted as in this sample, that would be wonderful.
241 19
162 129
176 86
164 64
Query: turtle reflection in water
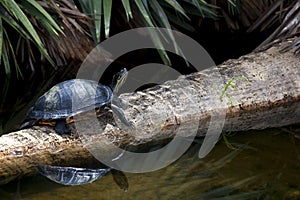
55 106
79 176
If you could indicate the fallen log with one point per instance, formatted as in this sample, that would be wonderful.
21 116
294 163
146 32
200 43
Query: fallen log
267 95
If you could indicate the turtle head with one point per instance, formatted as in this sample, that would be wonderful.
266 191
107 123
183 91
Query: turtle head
118 80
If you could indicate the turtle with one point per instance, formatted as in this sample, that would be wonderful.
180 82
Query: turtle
55 106
78 176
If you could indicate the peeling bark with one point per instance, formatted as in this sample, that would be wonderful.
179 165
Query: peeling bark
269 98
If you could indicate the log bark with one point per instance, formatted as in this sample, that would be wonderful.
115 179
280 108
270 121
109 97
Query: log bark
268 95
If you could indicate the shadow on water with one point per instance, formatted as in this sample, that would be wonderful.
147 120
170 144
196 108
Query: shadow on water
264 165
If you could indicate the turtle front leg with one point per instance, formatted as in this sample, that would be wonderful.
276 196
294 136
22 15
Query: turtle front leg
61 127
119 112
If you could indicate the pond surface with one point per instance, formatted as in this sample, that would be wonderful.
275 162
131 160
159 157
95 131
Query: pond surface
264 165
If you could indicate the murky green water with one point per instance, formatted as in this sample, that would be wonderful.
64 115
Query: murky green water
265 166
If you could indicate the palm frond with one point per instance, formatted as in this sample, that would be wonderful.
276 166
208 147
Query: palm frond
177 7
153 13
239 14
74 44
126 5
146 13
11 49
93 9
15 10
14 15
5 60
1 39
107 4
57 29
41 23
287 15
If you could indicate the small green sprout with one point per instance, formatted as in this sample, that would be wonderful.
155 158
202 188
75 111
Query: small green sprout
227 143
232 85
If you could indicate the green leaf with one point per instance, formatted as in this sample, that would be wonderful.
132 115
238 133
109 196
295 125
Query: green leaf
40 13
175 19
177 7
97 9
107 4
227 143
161 15
144 12
13 56
5 61
163 19
231 2
93 9
51 28
1 38
127 8
232 85
233 6
12 7
199 8
154 36
196 3
11 22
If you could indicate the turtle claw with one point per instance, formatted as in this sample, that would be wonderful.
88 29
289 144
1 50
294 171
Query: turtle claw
27 124
130 124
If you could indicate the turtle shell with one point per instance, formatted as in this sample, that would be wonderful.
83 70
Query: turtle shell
69 98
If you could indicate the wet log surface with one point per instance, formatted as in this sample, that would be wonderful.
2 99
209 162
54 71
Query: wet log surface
268 95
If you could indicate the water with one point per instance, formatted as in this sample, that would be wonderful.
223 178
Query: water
265 165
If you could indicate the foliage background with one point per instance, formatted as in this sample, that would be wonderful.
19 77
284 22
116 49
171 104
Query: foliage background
43 42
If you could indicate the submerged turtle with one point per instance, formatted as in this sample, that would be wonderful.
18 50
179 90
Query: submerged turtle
80 176
55 106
